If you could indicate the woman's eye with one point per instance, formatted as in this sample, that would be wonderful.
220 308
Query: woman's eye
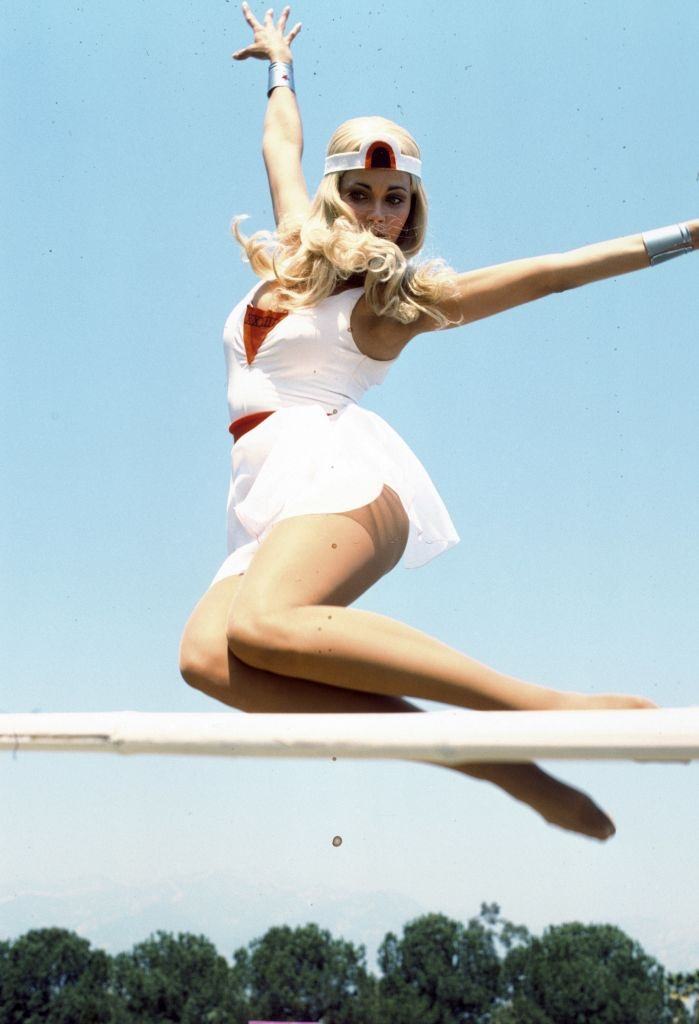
357 197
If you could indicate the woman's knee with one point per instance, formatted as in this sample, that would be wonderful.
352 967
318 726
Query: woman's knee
200 656
258 637
203 653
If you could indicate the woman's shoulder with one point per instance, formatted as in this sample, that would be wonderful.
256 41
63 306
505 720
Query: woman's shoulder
266 295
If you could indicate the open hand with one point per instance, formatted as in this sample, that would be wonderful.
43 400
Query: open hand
270 42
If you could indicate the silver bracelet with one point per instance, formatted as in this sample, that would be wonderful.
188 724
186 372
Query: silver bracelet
280 74
665 243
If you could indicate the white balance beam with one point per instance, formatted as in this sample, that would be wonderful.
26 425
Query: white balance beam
451 736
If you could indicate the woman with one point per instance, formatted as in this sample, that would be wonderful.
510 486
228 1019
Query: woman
325 498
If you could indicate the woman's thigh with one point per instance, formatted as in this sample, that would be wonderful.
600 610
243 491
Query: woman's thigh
206 661
324 559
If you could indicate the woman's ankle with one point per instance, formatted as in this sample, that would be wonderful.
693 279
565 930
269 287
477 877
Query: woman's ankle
516 779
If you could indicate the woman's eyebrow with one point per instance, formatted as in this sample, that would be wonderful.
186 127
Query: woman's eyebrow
363 184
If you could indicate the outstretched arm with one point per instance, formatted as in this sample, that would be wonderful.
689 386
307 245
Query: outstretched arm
282 140
490 290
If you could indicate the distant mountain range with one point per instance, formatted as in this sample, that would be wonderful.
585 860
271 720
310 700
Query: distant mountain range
115 916
231 912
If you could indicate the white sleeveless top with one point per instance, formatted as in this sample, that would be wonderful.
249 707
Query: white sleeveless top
319 452
309 356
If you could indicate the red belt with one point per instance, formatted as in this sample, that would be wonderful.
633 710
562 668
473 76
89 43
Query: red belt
245 423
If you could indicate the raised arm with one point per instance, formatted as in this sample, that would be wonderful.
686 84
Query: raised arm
485 292
282 140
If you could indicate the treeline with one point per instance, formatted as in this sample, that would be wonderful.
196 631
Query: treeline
439 971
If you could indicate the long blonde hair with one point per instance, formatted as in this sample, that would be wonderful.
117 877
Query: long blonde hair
310 257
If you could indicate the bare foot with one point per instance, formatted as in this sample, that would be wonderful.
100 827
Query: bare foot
602 702
558 803
569 808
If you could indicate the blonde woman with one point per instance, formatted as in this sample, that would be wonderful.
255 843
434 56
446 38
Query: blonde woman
325 497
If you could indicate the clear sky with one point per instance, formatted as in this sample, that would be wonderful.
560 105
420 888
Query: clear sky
562 436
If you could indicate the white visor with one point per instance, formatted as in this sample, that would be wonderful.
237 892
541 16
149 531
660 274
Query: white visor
364 158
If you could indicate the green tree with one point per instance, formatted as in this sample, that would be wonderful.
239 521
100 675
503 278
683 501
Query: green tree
177 980
507 934
584 974
684 989
52 976
439 972
305 974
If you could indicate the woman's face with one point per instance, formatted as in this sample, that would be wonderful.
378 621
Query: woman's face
380 199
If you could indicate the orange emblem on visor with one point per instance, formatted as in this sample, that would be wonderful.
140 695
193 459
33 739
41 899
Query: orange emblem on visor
387 150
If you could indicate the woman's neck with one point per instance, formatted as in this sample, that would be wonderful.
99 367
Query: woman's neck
355 281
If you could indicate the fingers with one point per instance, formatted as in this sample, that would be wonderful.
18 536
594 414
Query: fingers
250 17
294 32
281 24
265 34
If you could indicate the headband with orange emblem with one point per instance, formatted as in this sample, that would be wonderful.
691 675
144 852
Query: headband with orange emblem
382 151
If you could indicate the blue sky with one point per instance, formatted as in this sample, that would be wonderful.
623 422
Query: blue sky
561 435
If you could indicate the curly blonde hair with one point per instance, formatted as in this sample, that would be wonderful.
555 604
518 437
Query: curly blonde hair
310 258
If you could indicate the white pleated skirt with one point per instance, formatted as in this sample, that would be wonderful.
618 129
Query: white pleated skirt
300 460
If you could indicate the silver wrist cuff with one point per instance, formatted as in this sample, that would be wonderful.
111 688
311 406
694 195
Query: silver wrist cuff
665 243
280 74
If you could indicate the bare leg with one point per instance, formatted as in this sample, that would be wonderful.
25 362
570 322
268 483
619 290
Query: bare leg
371 652
207 664
285 619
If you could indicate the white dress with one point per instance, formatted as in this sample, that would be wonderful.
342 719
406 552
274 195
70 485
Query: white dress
320 451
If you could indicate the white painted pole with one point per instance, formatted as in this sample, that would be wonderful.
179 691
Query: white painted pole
451 736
